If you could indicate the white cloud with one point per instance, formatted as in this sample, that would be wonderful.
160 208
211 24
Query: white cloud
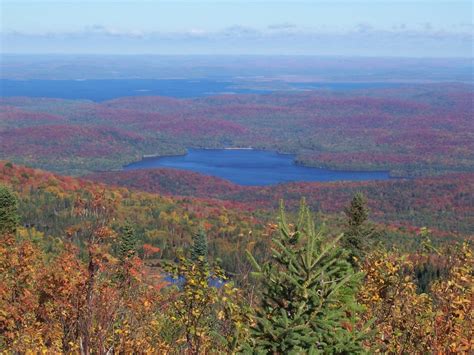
275 30
283 38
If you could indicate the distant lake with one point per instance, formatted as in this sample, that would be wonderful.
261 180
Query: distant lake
252 167
102 90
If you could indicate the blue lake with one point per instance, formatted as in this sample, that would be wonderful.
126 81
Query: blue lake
252 167
101 90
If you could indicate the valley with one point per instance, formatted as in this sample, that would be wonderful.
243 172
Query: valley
419 135
420 130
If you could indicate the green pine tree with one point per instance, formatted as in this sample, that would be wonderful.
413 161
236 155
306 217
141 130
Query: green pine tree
358 233
199 248
308 298
127 243
9 218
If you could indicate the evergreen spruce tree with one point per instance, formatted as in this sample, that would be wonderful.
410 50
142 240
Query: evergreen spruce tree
309 291
9 218
358 232
127 243
199 248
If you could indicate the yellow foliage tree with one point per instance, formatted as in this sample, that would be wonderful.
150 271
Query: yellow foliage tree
401 318
205 309
453 298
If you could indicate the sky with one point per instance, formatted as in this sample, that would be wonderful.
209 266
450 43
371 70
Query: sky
419 28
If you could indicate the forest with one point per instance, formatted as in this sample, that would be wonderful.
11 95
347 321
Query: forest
420 133
91 268
417 130
445 203
95 259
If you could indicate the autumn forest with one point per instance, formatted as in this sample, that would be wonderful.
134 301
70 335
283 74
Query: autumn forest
99 259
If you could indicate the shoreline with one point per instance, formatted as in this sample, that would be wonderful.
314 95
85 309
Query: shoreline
381 175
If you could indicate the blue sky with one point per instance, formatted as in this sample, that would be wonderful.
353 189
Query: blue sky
422 28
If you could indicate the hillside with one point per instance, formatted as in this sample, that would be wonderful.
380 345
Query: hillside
177 204
416 130
46 200
444 202
106 261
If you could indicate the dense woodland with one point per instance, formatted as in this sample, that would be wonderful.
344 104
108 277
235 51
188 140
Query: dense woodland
98 260
416 130
91 268
445 203
421 131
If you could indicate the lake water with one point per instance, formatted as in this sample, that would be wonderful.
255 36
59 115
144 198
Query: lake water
101 90
252 167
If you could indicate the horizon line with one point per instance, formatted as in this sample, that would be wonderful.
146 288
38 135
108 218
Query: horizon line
236 55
